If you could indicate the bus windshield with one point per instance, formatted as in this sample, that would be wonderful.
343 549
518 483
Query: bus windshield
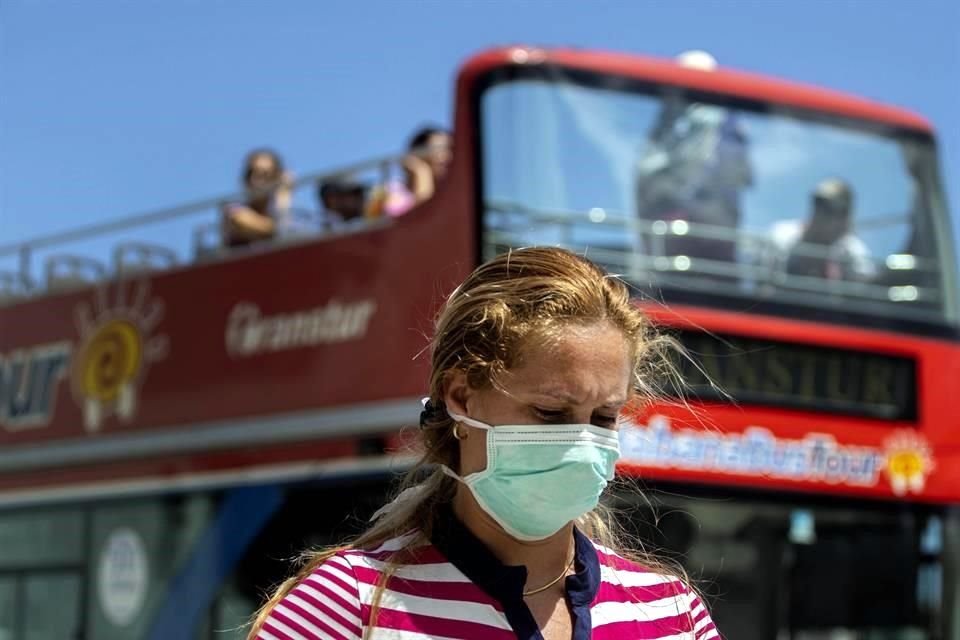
691 194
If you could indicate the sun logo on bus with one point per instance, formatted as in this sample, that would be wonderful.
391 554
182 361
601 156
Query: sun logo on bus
116 350
909 462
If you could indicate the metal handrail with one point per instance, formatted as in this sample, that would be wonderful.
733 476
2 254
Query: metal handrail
65 271
25 250
766 271
661 228
147 254
179 211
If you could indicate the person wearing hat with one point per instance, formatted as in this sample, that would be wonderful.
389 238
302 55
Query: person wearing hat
824 246
342 204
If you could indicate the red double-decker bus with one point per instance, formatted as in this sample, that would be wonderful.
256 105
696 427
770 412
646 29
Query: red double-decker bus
179 420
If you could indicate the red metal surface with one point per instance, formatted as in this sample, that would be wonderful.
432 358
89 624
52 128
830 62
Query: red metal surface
722 81
937 429
198 381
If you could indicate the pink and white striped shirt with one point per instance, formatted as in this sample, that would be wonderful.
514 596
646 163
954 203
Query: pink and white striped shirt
478 598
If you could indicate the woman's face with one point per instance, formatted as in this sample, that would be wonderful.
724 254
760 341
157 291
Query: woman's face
263 172
583 376
439 150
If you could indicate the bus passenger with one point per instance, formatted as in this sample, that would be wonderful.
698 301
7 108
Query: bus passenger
341 205
499 533
694 169
428 157
268 195
824 246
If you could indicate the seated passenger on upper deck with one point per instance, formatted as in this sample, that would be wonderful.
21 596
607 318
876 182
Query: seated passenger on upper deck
824 246
267 204
426 162
341 205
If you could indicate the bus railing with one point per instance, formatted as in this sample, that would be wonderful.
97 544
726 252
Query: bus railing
189 233
626 243
637 249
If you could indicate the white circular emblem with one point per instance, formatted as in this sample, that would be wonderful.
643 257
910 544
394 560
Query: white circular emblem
123 576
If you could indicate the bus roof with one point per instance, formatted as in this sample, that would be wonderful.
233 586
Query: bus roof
721 80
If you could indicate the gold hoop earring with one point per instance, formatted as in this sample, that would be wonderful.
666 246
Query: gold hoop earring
456 432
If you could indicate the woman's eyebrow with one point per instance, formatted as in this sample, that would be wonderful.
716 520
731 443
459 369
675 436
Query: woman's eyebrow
557 394
567 397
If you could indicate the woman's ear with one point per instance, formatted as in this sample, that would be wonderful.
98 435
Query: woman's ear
456 392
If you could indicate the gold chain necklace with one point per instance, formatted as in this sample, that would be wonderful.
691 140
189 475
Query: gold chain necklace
552 582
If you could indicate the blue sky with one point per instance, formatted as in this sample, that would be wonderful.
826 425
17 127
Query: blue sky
108 108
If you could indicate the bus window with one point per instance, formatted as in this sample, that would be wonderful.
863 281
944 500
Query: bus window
806 570
725 199
41 539
8 607
40 591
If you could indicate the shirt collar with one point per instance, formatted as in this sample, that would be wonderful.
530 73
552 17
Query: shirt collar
504 582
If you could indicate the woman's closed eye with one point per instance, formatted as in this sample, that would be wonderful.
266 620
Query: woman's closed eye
605 421
551 416
562 416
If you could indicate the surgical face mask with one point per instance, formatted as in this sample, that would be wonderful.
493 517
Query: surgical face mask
540 477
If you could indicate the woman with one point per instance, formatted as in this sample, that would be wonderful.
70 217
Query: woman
268 188
533 357
428 158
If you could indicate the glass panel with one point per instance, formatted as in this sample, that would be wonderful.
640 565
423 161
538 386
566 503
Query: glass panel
41 538
137 549
8 608
683 194
809 572
951 578
52 606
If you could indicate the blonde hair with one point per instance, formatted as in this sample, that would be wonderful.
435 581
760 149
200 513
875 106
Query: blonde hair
481 331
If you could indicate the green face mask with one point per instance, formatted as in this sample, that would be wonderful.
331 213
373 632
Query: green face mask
540 477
